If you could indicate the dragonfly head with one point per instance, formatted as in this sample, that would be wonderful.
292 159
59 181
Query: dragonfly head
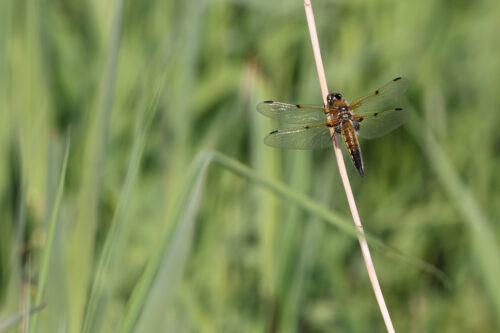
334 97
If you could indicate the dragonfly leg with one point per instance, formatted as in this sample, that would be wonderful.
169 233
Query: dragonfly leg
356 125
338 129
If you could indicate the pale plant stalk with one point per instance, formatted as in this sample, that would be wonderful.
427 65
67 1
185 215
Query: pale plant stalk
343 174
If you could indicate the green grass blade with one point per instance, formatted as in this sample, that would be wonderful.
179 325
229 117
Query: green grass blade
166 258
180 217
42 281
320 211
485 247
80 247
172 266
15 319
289 194
106 269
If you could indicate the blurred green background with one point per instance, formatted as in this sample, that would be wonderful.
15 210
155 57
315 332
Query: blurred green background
153 233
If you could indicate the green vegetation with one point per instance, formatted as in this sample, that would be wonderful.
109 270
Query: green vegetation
168 213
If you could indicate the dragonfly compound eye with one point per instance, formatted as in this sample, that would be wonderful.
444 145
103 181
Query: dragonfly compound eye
330 97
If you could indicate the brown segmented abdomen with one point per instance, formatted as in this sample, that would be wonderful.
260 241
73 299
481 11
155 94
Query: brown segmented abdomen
351 141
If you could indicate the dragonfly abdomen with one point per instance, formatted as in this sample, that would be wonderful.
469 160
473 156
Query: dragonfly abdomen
351 141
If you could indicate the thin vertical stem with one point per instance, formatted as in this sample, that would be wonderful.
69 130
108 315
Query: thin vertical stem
343 174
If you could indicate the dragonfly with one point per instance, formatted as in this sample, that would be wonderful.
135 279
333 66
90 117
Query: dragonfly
369 117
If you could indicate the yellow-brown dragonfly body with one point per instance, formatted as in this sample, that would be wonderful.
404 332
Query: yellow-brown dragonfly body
370 117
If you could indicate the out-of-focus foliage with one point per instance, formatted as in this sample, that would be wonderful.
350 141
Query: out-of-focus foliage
149 238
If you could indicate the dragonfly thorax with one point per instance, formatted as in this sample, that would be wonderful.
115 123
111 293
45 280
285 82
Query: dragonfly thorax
345 115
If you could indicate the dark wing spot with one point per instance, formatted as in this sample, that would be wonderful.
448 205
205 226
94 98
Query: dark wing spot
274 132
306 127
360 120
297 105
376 92
398 109
269 102
396 79
375 114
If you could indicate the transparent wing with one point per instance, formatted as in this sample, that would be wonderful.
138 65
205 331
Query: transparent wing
293 113
304 137
377 124
385 98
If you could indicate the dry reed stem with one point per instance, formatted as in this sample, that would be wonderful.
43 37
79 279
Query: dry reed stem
343 174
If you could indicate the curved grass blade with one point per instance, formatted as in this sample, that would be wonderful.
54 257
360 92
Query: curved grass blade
80 254
140 304
12 320
171 254
485 247
42 281
106 269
